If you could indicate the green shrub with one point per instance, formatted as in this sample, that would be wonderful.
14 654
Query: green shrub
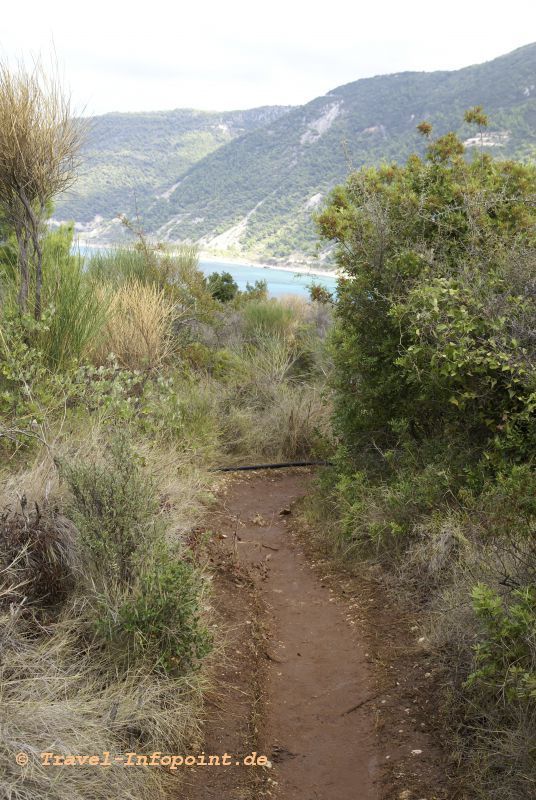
505 657
30 393
113 506
75 315
161 619
222 286
434 312
267 318
435 394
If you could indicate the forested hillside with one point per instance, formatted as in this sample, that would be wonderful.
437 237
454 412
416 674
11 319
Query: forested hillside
257 192
128 159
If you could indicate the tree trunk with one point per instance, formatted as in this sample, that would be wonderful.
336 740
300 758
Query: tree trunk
38 276
24 288
32 225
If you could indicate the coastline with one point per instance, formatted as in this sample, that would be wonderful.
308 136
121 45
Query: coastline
235 261
298 269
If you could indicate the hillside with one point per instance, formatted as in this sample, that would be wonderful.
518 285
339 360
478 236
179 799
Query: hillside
129 158
256 192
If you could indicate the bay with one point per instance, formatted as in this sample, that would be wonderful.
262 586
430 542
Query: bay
280 282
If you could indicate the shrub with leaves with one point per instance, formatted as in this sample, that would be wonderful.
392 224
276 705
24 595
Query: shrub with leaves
222 286
113 507
505 658
160 620
435 400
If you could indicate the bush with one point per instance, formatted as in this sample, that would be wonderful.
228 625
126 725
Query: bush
434 383
113 506
268 318
505 658
222 286
161 620
31 394
75 316
38 557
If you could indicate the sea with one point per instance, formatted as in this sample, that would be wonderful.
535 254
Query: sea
280 282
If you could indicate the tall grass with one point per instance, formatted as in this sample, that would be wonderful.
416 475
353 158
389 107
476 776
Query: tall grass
145 264
268 318
76 313
113 662
64 688
138 329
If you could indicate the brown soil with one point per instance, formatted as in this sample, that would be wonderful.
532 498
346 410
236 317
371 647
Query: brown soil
303 682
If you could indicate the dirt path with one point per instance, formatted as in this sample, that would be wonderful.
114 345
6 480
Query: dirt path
296 673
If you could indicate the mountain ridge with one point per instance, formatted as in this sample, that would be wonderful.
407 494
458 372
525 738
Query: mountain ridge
255 192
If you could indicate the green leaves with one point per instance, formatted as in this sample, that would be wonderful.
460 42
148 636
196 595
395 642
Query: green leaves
435 385
504 656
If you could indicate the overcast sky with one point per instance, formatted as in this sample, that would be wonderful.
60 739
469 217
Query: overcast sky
131 56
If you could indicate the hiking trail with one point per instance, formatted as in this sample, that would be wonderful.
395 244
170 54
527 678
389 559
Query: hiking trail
294 682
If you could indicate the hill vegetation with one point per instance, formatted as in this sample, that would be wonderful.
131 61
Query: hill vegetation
113 409
129 159
258 192
125 380
434 383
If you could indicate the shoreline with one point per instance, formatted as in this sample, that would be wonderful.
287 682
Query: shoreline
235 261
298 269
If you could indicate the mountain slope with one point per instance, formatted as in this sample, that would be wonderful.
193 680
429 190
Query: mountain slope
256 193
261 188
130 158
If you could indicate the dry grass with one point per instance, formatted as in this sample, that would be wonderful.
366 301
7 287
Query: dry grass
60 690
54 699
139 328
285 422
184 487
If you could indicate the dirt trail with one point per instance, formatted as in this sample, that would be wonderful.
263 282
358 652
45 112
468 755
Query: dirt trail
296 673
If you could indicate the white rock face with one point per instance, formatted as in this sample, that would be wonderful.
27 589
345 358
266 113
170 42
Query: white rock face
313 201
322 123
489 139
167 194
232 236
376 129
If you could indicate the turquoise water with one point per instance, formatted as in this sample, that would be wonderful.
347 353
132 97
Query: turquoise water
280 282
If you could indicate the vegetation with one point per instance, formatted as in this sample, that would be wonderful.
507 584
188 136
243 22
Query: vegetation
39 144
434 409
129 159
129 377
113 407
274 175
222 286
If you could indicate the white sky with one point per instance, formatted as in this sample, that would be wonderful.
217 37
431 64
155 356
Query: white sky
229 54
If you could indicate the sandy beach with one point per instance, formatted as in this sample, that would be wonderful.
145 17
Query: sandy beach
299 269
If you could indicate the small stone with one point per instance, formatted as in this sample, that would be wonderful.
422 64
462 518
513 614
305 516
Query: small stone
416 752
